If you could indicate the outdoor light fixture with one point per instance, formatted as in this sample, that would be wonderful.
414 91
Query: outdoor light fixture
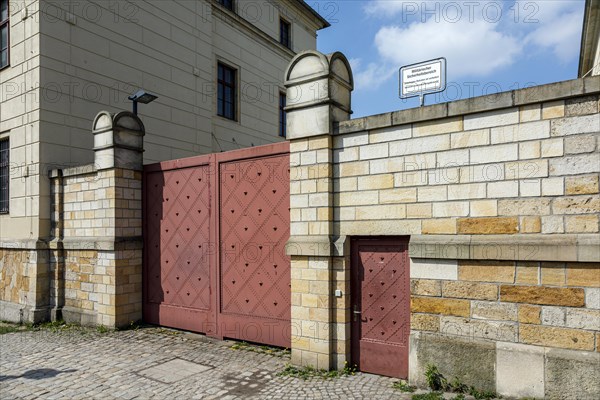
141 96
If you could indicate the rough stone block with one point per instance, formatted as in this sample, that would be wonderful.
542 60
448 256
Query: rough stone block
583 274
390 134
524 207
575 125
529 314
569 297
530 112
408 195
583 319
575 165
553 186
527 272
438 127
419 210
576 185
576 205
498 190
434 305
461 140
581 106
469 290
425 287
521 132
494 311
484 208
472 361
529 150
556 337
376 182
555 109
554 316
421 268
572 375
580 144
519 370
592 298
487 271
369 152
492 330
425 322
581 223
438 226
493 154
553 224
552 148
491 119
467 191
488 226
432 193
531 225
451 209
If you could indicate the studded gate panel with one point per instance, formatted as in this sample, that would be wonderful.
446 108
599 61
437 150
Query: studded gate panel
215 229
381 306
177 270
254 228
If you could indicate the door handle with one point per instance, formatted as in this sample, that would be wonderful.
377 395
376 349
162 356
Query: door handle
356 313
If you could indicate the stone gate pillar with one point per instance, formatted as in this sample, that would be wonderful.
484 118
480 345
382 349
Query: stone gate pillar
118 158
318 95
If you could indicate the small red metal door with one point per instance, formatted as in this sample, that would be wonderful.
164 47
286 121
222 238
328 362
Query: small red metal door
381 305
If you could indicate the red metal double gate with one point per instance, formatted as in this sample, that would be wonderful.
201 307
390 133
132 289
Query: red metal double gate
215 229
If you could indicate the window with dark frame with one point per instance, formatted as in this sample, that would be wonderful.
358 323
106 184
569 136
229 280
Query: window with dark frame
282 115
4 175
228 4
226 100
4 34
285 29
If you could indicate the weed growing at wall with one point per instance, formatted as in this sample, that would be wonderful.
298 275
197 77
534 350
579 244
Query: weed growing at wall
309 372
438 383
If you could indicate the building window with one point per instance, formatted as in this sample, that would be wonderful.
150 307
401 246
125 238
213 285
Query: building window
226 88
282 115
285 29
228 4
4 34
4 176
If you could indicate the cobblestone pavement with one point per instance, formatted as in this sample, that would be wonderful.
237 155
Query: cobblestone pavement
86 364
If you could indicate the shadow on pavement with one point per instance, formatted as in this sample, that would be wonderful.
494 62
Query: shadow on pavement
42 373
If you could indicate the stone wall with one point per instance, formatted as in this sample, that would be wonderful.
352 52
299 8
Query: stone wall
89 269
500 198
98 280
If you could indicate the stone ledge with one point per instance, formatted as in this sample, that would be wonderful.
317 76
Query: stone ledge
533 95
315 246
565 248
23 244
97 243
558 248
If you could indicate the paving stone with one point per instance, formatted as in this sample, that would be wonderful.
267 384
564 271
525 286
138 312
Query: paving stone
120 365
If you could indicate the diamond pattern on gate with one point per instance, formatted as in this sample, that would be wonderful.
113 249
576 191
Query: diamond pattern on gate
384 295
178 216
254 218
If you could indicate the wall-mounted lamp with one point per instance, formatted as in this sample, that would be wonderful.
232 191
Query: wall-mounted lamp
141 96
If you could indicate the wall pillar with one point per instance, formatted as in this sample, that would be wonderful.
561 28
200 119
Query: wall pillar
318 95
96 247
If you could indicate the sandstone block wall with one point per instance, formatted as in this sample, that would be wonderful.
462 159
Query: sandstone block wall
97 270
500 198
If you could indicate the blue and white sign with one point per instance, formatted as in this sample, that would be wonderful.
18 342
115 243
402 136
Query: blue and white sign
423 78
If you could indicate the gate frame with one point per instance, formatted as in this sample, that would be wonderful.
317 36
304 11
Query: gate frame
214 326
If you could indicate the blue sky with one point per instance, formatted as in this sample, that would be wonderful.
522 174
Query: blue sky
490 46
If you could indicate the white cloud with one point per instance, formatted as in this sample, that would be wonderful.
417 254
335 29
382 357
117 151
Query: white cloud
471 48
478 38
372 76
558 29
